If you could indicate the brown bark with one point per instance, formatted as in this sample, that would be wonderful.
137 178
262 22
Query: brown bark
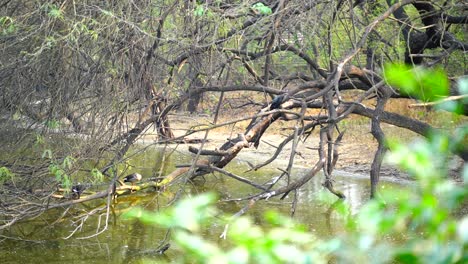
382 96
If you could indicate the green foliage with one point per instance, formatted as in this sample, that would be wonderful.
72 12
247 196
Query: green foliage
52 123
463 87
6 175
285 242
426 84
423 214
53 11
260 8
39 141
199 10
98 177
60 170
7 25
68 162
195 211
202 11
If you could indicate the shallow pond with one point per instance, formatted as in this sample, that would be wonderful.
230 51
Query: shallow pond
42 240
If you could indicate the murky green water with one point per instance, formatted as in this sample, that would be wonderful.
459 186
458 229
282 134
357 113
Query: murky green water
42 240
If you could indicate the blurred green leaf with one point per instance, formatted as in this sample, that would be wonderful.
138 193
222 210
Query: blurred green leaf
369 219
202 250
238 255
462 230
433 84
400 75
365 241
188 214
425 84
463 86
261 8
144 216
451 106
407 257
194 211
342 208
275 218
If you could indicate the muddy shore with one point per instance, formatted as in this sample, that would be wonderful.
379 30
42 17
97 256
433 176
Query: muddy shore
356 150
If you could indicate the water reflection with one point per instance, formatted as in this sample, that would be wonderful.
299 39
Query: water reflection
130 241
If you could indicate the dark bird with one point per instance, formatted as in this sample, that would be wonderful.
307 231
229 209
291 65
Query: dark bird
77 190
132 178
278 100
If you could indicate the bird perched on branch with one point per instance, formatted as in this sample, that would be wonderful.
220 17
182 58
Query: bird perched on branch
77 190
132 178
278 100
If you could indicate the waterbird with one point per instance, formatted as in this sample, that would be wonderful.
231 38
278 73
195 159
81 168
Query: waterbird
132 178
77 190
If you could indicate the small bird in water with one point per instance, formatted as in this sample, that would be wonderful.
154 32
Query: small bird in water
132 178
77 190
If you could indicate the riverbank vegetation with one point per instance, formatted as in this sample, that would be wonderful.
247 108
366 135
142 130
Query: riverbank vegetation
81 82
420 220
